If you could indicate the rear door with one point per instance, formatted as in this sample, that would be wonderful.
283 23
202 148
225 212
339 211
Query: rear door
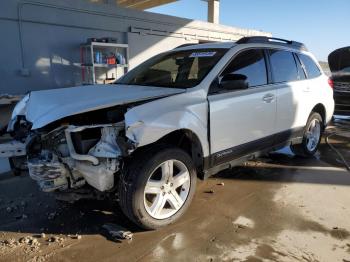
317 86
293 93
242 121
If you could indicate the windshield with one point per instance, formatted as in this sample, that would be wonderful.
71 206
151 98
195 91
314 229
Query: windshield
178 69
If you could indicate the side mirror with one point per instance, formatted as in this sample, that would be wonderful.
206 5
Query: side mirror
234 81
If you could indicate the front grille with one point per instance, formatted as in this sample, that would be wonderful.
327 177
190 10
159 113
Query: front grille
342 86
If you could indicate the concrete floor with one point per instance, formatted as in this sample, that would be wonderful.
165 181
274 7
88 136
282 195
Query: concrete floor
281 208
4 165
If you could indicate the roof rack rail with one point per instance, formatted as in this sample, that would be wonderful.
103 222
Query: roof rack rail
189 44
272 40
184 45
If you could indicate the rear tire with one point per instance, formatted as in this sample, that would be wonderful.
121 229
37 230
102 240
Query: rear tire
157 187
311 137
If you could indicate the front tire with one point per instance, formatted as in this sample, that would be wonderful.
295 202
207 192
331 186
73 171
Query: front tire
311 137
157 187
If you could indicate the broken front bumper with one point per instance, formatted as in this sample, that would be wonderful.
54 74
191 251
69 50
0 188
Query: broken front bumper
58 163
12 149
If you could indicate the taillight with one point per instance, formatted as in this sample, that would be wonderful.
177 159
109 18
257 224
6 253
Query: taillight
330 82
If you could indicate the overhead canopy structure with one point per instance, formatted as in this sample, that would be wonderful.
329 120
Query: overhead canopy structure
213 11
143 4
213 6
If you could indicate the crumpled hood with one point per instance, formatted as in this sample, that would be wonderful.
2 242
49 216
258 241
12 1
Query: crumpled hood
47 106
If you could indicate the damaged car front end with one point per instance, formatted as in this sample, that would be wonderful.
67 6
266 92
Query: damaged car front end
70 156
141 140
78 149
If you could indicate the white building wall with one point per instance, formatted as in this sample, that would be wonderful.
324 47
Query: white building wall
40 40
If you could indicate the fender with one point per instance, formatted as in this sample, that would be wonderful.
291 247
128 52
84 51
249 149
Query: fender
147 123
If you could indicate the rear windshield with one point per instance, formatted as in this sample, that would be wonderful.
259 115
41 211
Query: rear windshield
177 69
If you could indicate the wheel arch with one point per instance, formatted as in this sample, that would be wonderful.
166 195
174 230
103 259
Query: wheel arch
185 139
189 142
321 109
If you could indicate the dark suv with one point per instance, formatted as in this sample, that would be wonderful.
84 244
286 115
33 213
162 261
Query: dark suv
339 63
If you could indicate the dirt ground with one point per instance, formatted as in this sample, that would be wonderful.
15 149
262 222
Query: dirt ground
281 208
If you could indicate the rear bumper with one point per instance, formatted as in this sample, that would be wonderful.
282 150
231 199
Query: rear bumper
342 103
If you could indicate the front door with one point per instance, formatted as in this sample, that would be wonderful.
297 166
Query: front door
242 120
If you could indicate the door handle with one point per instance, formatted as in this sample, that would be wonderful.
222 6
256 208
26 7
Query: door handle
268 98
307 89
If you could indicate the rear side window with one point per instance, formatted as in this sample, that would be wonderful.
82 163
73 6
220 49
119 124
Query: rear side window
310 66
283 66
301 71
250 63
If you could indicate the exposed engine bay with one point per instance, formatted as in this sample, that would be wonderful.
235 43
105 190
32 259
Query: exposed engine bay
73 155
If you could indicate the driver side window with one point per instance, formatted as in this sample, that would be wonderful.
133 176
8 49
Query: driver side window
251 64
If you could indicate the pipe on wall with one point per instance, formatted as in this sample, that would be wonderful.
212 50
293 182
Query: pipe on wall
20 6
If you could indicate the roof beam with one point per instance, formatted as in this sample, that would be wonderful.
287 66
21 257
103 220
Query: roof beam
213 11
143 4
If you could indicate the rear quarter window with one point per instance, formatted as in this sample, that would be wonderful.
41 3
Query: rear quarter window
301 71
310 66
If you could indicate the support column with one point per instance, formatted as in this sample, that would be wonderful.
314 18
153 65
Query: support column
213 11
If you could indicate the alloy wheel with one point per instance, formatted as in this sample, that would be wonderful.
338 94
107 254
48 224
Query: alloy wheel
167 189
313 135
